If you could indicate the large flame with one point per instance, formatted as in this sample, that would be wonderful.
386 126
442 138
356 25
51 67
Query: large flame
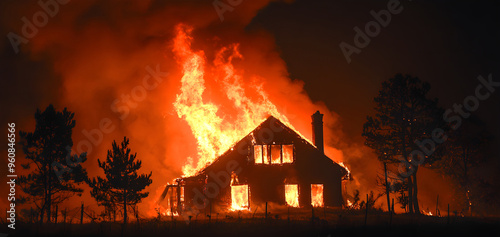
216 133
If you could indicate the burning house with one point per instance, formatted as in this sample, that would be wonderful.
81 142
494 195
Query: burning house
273 164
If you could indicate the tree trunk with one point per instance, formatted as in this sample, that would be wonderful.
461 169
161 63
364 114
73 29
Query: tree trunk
464 157
46 195
49 202
415 192
124 207
55 217
42 212
410 195
387 188
466 179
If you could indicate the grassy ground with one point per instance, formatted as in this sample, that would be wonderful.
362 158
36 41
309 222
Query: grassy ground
326 223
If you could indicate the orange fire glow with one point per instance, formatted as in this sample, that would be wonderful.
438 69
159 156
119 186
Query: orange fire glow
160 207
292 195
239 197
317 195
257 150
165 212
275 154
214 131
287 153
345 167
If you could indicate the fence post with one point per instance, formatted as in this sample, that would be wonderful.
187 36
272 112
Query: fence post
57 213
312 214
210 212
137 217
288 219
266 212
437 206
391 212
448 213
366 209
81 215
64 215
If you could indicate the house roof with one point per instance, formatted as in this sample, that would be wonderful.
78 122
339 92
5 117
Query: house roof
268 122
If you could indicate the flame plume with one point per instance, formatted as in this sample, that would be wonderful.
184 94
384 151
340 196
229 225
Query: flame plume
214 133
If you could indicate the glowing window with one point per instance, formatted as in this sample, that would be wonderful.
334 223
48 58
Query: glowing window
275 154
257 154
287 153
265 152
182 194
292 195
239 197
317 195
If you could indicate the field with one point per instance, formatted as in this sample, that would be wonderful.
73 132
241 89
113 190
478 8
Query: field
298 223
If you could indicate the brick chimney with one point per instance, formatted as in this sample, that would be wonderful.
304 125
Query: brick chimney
317 129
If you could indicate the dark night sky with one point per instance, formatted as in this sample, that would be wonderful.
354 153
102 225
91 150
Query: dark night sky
446 43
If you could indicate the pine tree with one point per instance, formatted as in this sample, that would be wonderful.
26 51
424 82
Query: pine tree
463 154
55 172
404 115
121 184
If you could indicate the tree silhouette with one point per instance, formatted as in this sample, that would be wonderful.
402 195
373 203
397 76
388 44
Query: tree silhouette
47 150
122 184
404 115
464 153
101 192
